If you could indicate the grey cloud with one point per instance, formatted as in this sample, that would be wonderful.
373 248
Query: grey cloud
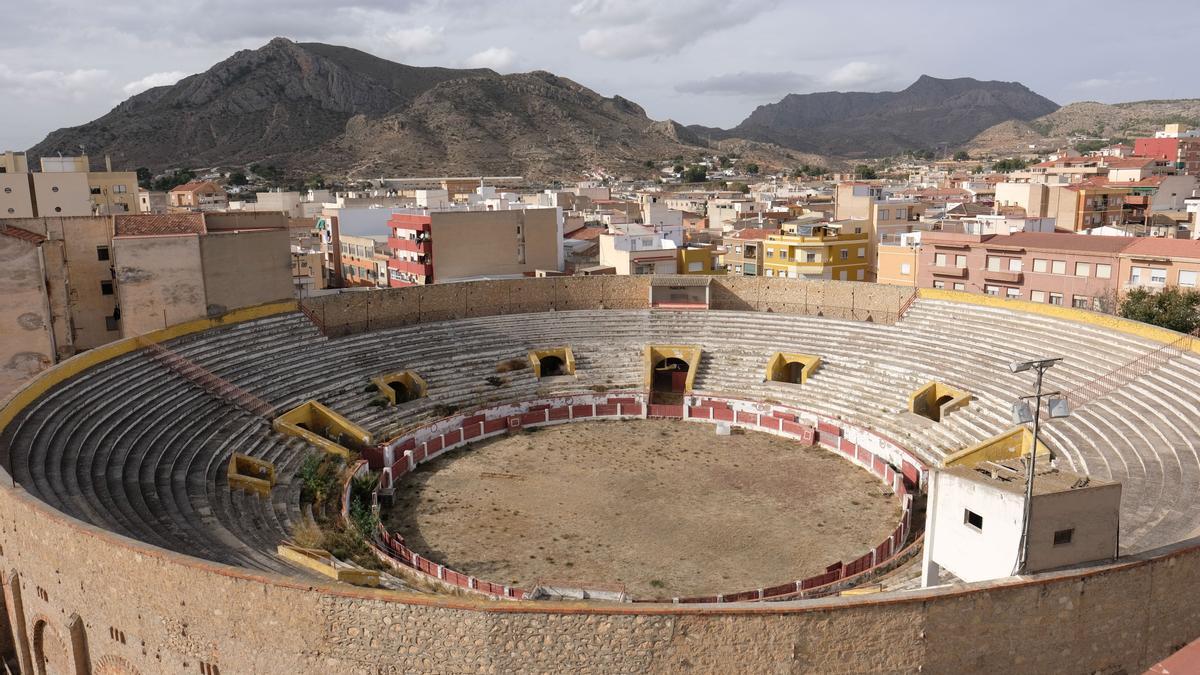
747 84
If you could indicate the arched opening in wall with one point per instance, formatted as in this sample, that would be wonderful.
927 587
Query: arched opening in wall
400 387
554 362
113 665
49 651
552 366
400 392
791 368
670 376
935 400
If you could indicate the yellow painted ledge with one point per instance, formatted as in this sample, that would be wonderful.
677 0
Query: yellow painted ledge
81 362
1105 321
306 418
322 562
777 367
1011 444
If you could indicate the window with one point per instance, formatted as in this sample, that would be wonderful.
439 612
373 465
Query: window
1063 537
1056 299
1103 271
991 290
106 288
939 284
1158 275
737 249
1080 301
993 263
905 269
884 214
95 190
1012 293
7 190
845 254
58 209
862 252
960 261
811 257
939 259
1187 278
1014 264
770 272
960 286
901 214
1083 269
54 189
102 253
972 519
1037 296
1039 265
1058 267
860 275
696 266
737 268
770 253
844 275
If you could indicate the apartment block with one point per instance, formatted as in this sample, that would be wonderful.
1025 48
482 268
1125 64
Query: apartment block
744 251
824 251
456 244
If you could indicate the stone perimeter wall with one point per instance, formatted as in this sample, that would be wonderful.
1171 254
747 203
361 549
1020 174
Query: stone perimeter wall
113 605
348 313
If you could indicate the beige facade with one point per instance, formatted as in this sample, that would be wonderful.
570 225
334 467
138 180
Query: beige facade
152 202
113 192
61 194
26 338
16 195
160 281
516 242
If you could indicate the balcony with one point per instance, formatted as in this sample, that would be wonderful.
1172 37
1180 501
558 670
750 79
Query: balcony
410 245
1006 276
419 269
959 272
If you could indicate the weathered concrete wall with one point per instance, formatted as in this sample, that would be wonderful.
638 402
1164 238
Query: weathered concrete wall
477 243
176 613
160 281
245 268
81 238
25 337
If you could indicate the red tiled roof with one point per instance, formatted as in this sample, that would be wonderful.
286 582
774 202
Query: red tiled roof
148 224
1160 247
1062 241
192 186
585 234
24 235
752 233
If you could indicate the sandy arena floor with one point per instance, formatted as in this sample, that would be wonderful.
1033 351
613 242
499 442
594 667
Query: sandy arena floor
665 508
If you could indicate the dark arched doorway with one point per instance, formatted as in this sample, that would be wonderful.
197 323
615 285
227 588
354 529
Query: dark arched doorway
401 391
670 379
551 366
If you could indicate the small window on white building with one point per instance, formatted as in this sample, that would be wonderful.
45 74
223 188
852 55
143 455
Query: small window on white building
1063 537
905 269
972 519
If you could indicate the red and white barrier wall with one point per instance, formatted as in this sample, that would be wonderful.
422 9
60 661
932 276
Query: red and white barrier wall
881 456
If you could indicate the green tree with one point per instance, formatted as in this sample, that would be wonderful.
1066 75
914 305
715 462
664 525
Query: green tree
865 172
1009 164
752 169
678 168
695 174
649 164
173 179
237 178
1172 307
144 177
962 156
726 162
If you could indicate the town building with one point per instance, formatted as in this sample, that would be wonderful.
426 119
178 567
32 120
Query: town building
364 261
635 249
1155 263
1174 144
744 250
198 195
824 251
897 259
1056 268
456 244
1082 206
150 201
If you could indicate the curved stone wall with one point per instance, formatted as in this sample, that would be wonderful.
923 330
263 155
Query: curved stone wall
117 605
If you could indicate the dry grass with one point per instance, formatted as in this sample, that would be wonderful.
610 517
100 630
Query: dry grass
511 365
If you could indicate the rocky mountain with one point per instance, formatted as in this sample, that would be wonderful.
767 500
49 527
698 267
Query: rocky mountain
1087 119
316 108
930 113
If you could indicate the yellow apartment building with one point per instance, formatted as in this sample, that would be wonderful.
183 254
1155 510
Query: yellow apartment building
824 251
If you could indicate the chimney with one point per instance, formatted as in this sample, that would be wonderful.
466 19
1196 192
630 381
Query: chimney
107 163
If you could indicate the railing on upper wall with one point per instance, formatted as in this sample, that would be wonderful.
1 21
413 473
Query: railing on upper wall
1131 370
211 382
312 316
908 303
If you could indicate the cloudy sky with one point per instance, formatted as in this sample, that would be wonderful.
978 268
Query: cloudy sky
65 62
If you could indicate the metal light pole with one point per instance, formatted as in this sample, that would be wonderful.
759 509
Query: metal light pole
1022 415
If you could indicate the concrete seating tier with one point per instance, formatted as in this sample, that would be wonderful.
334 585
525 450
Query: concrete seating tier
133 447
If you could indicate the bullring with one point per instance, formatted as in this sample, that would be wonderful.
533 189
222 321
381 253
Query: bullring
119 459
